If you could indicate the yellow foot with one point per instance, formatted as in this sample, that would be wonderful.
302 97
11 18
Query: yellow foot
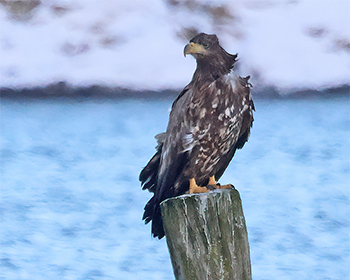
212 184
194 188
228 186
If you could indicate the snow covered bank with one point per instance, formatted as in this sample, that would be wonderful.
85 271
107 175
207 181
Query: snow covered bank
289 45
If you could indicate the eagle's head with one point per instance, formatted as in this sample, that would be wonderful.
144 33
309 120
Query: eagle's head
202 45
211 58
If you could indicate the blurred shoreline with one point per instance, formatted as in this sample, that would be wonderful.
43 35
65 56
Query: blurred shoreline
63 90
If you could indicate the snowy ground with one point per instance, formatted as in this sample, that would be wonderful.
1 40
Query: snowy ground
287 44
71 204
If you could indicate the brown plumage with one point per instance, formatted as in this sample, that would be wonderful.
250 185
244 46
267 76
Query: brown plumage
209 120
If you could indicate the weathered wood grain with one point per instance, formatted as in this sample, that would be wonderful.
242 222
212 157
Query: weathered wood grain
207 236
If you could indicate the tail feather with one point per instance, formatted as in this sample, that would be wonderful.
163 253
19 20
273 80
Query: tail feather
157 223
152 213
149 209
148 178
150 181
148 175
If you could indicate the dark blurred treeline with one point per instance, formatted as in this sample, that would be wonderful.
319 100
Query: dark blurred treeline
63 90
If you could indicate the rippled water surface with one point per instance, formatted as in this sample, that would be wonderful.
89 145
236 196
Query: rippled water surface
71 204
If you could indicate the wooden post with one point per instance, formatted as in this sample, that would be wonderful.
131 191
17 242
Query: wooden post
207 236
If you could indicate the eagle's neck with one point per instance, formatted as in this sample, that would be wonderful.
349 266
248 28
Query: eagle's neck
210 68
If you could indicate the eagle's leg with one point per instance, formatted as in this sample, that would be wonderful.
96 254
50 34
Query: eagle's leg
212 184
194 188
212 181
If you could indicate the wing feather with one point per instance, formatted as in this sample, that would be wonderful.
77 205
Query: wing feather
167 165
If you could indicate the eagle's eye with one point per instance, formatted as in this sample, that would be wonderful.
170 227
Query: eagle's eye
205 45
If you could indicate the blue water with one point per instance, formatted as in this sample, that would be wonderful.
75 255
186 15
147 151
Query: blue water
71 204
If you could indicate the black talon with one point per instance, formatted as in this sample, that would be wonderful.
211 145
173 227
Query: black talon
211 187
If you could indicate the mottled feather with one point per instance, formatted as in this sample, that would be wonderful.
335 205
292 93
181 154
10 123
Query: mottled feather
209 120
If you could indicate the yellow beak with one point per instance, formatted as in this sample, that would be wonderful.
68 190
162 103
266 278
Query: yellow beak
193 48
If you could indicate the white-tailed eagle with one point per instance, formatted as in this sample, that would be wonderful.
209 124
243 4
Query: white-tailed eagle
209 120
